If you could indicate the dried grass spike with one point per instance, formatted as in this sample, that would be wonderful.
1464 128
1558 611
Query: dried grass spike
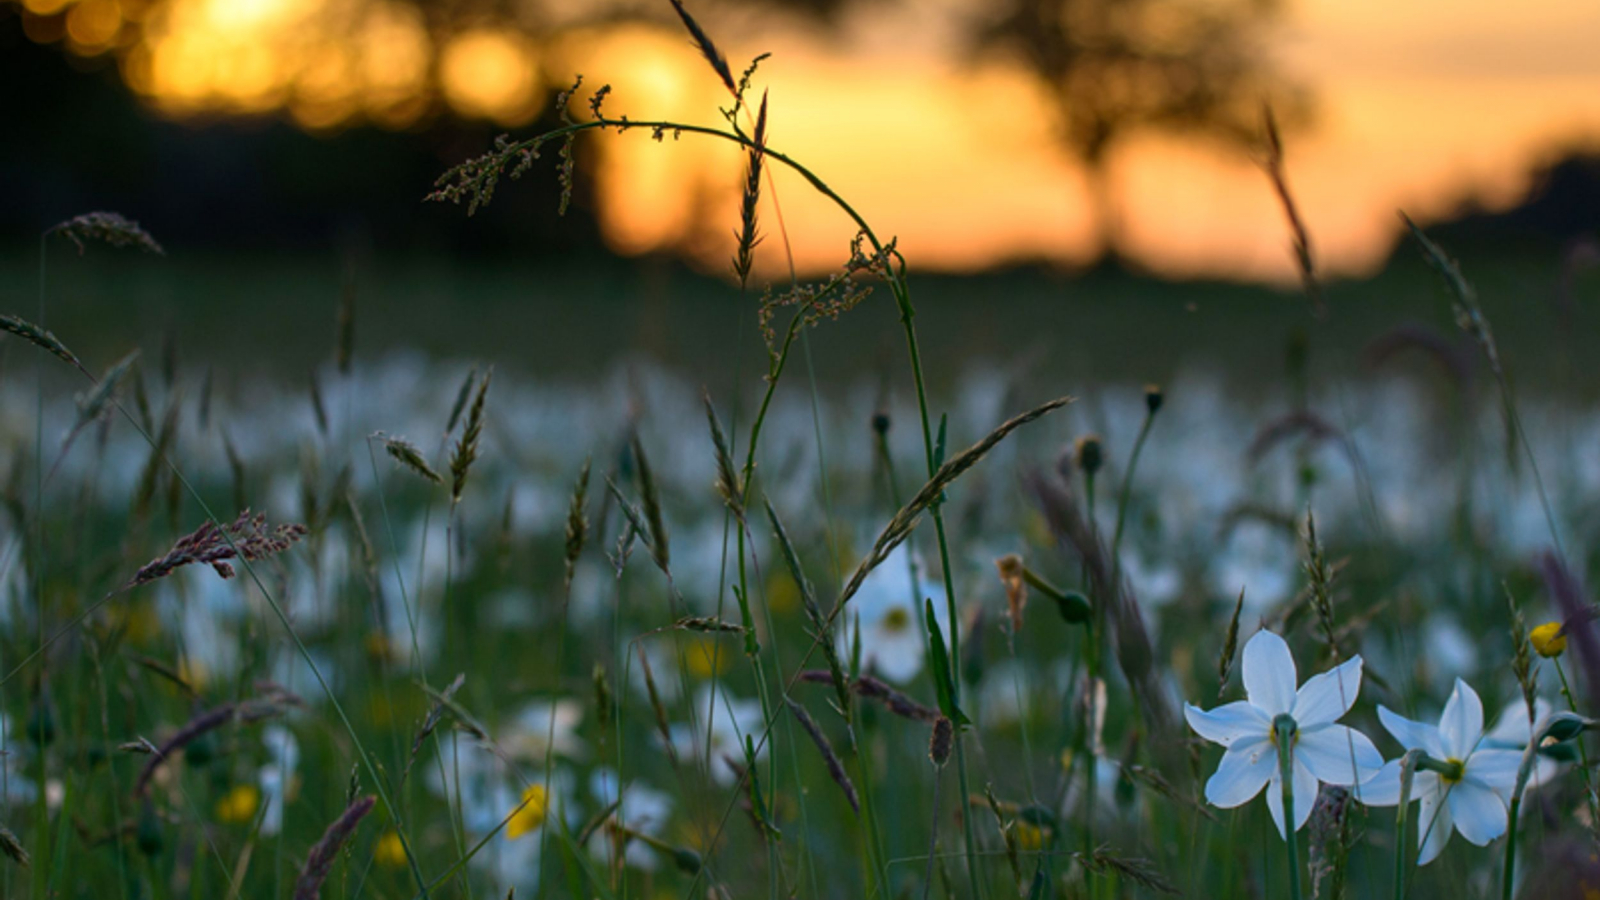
577 523
835 767
466 451
747 234
112 228
406 454
728 487
42 339
707 49
319 862
11 846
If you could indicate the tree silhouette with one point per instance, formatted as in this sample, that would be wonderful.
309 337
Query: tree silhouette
1119 66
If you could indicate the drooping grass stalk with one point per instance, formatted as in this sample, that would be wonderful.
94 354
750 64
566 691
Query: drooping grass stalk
1285 729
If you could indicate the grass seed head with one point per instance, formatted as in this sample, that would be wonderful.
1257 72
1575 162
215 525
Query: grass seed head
108 227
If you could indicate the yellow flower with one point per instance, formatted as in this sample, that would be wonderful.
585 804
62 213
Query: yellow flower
1548 640
1029 836
239 804
390 851
704 657
530 815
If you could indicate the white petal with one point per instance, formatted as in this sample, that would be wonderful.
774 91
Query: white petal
1461 724
1494 770
1240 775
1479 813
1513 728
896 655
1228 723
1383 789
1433 826
1338 755
1411 734
1269 673
1305 797
1326 697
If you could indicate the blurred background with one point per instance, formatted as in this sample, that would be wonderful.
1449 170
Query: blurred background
1104 155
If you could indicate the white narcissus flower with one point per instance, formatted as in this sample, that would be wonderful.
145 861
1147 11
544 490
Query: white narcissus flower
1322 751
1473 803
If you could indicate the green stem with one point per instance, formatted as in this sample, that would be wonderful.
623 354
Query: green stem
1284 727
1126 492
1408 769
1507 880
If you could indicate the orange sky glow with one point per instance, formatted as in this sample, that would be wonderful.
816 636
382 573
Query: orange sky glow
1419 106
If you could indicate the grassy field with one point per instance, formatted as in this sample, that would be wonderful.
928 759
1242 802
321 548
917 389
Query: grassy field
572 583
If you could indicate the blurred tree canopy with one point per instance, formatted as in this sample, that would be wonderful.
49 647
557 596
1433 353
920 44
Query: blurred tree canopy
1115 67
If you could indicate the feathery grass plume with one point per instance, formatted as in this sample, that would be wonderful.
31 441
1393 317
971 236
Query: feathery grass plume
319 862
466 451
656 706
1315 429
822 630
12 847
1522 656
42 339
831 759
203 724
406 454
1141 872
1008 834
1331 841
1149 778
707 49
92 405
1297 226
112 228
1230 647
636 528
1455 361
728 487
246 536
651 501
873 688
1320 576
1131 639
318 408
829 299
577 524
906 519
707 625
430 722
748 238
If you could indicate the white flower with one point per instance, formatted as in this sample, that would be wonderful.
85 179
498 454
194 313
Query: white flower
1322 751
530 736
1474 803
1513 730
276 776
729 720
893 638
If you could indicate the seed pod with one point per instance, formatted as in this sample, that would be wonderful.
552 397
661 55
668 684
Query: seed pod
942 741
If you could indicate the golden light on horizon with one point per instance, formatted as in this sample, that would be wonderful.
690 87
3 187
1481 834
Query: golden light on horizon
1440 103
491 74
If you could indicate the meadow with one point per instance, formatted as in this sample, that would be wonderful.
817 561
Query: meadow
887 585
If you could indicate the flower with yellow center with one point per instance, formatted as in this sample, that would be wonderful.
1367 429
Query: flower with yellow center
390 852
1547 640
239 803
529 816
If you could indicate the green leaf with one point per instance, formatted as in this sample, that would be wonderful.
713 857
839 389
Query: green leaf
942 680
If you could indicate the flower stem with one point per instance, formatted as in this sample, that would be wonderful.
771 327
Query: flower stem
1408 769
1284 727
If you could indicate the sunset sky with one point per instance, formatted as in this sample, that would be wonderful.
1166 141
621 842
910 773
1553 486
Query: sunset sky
1420 105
